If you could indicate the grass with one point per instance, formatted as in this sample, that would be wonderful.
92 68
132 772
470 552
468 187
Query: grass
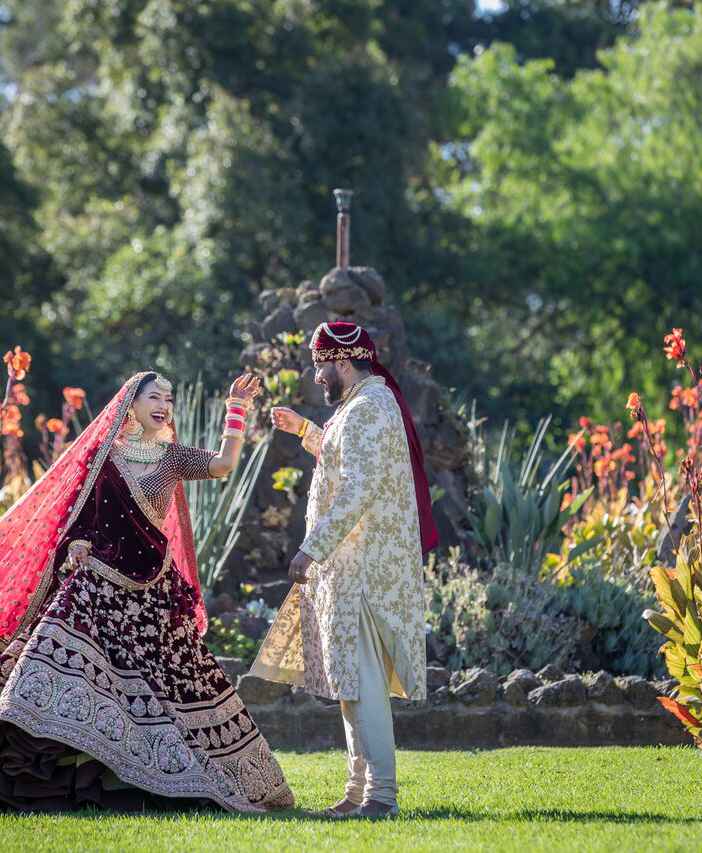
523 799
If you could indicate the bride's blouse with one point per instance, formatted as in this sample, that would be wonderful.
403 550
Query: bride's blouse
178 463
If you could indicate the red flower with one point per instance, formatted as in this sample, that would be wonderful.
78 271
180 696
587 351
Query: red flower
584 423
75 397
17 362
675 348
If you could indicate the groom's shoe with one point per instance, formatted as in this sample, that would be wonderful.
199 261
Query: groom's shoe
344 808
373 809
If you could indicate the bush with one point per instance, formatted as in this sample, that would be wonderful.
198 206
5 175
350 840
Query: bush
504 620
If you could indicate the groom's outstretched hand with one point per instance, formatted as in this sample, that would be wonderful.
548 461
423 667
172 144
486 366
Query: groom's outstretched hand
298 567
286 420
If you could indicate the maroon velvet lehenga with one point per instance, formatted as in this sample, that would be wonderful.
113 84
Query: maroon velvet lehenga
108 694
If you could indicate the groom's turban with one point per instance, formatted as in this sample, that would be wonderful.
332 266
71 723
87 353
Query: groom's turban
342 341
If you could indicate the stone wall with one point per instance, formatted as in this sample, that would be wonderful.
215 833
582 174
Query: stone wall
478 710
358 294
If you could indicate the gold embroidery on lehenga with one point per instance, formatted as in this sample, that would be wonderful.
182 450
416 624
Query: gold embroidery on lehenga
122 580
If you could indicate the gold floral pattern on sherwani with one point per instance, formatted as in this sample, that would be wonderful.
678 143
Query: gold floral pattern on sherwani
363 536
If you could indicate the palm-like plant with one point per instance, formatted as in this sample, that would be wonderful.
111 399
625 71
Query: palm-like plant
217 507
518 518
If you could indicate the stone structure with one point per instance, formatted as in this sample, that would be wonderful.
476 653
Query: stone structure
478 710
358 294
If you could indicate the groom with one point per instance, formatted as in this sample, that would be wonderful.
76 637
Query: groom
352 627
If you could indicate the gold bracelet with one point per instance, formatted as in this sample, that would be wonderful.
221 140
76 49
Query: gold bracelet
302 432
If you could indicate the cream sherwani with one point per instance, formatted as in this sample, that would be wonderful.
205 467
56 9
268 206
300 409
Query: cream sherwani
363 536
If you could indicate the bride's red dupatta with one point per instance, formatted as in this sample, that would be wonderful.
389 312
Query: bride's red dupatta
36 527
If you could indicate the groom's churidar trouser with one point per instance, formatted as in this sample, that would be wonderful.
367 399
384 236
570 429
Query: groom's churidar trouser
368 722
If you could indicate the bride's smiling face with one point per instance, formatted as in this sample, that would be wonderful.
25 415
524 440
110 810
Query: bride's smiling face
153 408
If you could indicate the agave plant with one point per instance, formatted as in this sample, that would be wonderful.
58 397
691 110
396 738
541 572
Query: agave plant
217 507
679 593
519 517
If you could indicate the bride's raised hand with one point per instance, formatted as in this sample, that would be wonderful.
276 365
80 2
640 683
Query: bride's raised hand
247 387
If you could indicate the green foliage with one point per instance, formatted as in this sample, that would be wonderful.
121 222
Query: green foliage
217 507
578 198
504 620
518 518
498 619
180 158
286 480
679 594
610 609
283 386
229 641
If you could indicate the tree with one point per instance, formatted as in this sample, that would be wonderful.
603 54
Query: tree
183 155
580 200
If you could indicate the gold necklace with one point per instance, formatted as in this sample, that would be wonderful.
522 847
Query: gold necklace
146 452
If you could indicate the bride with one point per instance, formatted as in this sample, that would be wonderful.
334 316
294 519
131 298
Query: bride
108 694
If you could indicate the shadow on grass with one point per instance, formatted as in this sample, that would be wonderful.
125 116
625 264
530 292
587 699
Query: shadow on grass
450 813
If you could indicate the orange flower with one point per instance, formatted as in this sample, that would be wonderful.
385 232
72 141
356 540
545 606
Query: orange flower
600 438
636 430
657 427
17 362
40 422
603 466
675 348
11 413
634 401
690 397
567 499
660 448
675 398
635 407
75 397
19 394
602 429
11 420
576 440
56 425
12 428
629 475
624 453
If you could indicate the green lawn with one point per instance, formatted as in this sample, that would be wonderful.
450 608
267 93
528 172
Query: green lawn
513 800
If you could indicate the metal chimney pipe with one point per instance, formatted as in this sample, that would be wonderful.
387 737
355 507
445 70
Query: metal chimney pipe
343 227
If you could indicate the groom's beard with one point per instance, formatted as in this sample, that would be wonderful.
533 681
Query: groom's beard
333 390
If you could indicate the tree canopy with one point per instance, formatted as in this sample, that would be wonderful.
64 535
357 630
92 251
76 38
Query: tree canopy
527 182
